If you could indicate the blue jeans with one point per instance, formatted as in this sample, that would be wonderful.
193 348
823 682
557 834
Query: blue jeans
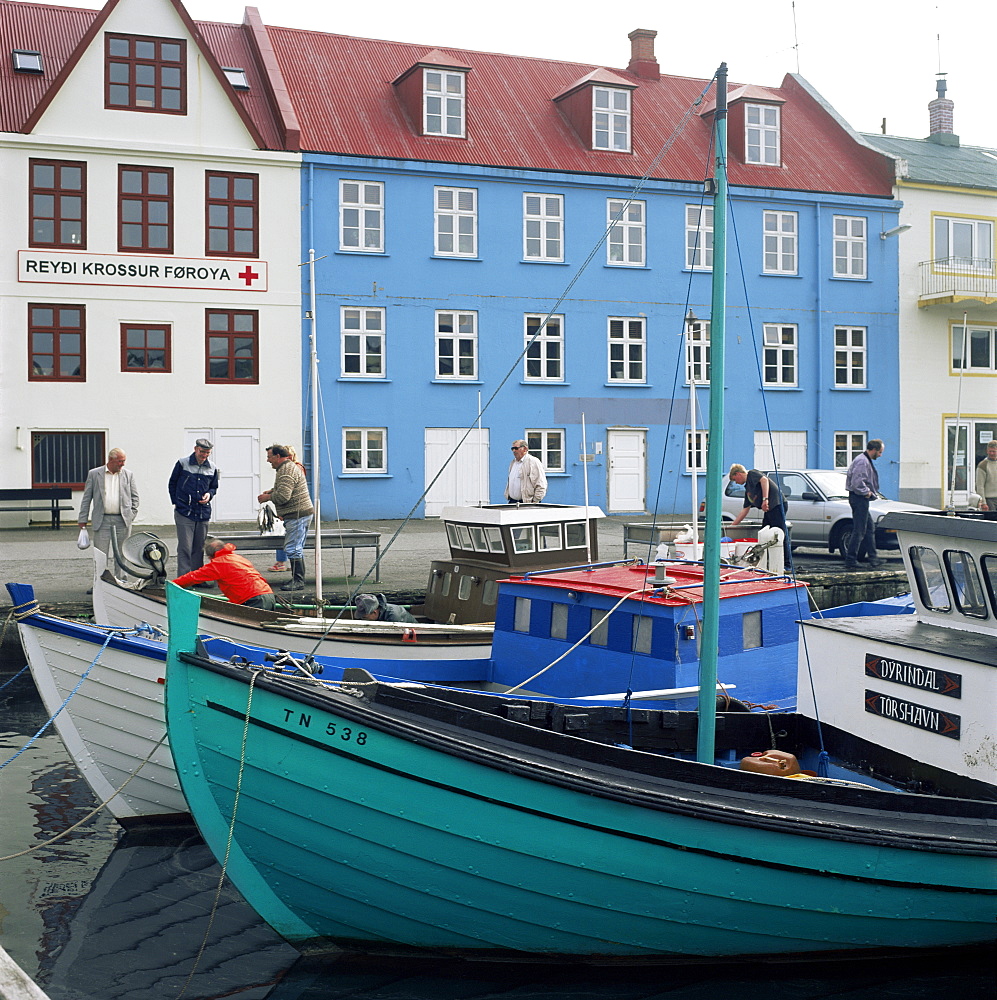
294 536
863 538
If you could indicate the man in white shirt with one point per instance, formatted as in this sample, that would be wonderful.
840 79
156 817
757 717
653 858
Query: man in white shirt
527 482
112 492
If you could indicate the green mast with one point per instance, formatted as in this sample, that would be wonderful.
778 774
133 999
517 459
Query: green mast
706 737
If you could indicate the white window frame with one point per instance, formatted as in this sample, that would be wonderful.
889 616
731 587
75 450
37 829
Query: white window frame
780 242
457 344
546 352
981 337
763 134
455 213
611 119
543 226
851 357
444 104
695 451
626 350
780 350
363 215
850 246
627 242
373 441
847 446
699 237
365 326
546 444
697 352
948 230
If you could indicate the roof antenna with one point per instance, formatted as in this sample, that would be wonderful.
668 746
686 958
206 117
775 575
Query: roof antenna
796 38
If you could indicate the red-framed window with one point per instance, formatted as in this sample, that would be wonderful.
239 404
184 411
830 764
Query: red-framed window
232 211
57 343
232 345
58 204
145 347
63 458
145 209
145 74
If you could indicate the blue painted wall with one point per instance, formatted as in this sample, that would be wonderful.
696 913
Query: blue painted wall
410 283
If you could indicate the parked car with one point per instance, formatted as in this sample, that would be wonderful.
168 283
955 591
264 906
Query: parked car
817 509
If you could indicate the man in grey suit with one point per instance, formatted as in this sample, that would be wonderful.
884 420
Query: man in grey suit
112 492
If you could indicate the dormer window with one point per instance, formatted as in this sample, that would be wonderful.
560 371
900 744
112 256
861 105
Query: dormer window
443 103
611 119
236 77
761 134
27 61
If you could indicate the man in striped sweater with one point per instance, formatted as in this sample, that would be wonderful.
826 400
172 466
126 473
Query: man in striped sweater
294 507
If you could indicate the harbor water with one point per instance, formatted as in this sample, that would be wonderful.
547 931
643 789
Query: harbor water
93 912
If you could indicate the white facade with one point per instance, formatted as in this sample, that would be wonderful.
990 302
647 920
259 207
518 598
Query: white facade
153 413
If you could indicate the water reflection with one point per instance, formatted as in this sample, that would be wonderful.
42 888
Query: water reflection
105 914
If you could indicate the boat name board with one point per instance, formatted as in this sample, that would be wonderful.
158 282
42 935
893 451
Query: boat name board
931 720
912 675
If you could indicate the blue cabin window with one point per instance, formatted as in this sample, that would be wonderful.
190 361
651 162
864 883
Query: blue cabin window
521 616
599 623
751 629
559 621
642 626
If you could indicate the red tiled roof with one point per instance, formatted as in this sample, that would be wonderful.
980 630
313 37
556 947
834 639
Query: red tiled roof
342 91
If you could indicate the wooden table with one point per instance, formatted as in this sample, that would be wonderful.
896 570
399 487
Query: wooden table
332 538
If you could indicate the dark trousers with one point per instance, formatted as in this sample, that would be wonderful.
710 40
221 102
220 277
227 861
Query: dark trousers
775 517
863 538
190 543
265 601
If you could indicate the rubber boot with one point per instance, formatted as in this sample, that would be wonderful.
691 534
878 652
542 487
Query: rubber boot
297 581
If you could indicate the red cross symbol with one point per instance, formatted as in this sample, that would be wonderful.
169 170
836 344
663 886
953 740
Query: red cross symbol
249 275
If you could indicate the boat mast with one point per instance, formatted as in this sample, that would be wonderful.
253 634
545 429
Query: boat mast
316 464
710 636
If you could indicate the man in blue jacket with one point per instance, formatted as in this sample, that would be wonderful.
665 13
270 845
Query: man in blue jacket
193 484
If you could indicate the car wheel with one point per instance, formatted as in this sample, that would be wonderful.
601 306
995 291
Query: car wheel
844 536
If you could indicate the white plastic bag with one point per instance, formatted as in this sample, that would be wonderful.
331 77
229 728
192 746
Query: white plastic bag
83 542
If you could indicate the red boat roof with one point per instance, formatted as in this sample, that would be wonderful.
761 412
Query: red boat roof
637 581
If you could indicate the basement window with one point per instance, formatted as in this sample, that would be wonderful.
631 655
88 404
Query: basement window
27 61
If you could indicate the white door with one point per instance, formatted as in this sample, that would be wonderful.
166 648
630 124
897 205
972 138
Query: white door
464 481
790 449
627 483
237 455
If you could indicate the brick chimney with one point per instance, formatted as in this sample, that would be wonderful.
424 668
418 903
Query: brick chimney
940 117
642 61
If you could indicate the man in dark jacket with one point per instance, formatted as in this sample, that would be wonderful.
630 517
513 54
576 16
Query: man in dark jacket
374 608
193 484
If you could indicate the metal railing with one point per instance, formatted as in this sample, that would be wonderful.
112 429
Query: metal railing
969 276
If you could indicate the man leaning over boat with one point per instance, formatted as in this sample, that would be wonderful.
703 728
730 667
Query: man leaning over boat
237 577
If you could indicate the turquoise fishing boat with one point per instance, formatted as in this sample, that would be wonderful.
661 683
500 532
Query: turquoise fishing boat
406 817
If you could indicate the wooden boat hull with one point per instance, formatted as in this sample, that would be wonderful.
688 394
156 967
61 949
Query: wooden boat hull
367 824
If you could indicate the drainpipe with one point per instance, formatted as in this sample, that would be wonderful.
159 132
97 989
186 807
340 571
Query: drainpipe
818 306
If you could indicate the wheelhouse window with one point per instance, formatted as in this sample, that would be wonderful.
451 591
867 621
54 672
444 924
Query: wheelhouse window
929 578
699 237
548 447
849 246
63 458
611 119
443 103
145 74
697 352
627 233
145 209
975 352
780 243
543 227
361 216
232 215
57 343
966 585
362 341
365 449
627 349
232 345
456 345
58 201
544 360
850 357
762 134
456 212
145 347
779 354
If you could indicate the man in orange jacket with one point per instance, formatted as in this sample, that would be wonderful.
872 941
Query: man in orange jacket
238 577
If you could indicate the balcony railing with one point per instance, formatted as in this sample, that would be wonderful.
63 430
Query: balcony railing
951 278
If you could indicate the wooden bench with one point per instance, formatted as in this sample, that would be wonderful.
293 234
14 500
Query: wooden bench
332 538
52 494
